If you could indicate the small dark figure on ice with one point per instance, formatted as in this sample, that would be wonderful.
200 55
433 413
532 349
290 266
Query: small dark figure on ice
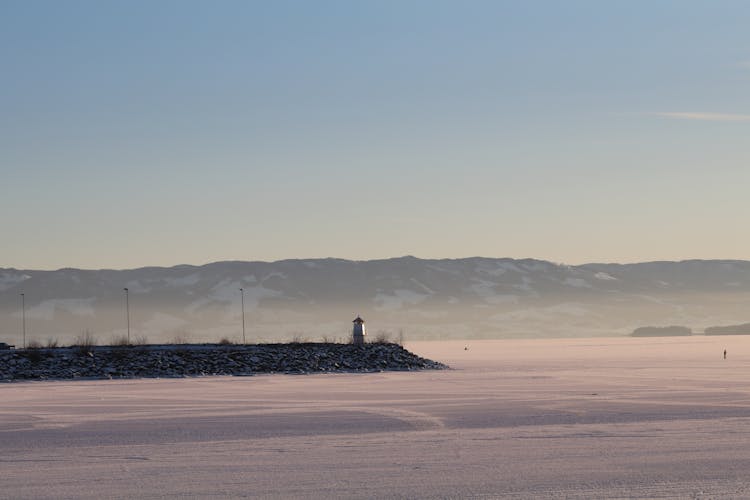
725 354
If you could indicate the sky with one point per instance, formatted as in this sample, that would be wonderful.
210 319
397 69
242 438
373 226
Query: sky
147 133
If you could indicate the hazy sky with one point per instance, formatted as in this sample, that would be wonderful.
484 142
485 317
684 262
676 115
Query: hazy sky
158 133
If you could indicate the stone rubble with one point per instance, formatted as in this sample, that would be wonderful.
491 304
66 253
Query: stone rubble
191 360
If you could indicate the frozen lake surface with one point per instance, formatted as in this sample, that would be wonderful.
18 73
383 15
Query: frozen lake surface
570 418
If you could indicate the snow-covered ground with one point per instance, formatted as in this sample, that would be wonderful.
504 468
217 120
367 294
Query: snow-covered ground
596 418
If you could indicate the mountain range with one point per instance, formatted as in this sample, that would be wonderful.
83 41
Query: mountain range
420 298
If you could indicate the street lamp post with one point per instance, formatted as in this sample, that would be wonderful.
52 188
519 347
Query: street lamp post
23 318
127 311
242 295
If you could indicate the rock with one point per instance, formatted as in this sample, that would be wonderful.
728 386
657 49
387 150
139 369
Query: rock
203 360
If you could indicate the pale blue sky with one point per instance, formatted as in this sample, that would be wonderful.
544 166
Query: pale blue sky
159 133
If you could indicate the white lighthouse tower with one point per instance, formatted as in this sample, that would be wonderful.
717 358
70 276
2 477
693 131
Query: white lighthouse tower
358 331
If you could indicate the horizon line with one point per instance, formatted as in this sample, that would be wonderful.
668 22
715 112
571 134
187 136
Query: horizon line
408 256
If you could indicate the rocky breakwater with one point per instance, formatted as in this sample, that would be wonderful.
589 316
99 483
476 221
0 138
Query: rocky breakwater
192 360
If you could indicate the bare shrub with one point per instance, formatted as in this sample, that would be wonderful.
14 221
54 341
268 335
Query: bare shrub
297 338
330 340
34 344
140 340
52 343
85 341
120 341
226 341
382 337
180 336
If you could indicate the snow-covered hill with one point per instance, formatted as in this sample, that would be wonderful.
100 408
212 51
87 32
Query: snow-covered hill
472 297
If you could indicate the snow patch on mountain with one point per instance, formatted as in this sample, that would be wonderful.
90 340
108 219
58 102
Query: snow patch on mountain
275 274
604 276
422 286
482 288
228 293
9 280
398 298
497 269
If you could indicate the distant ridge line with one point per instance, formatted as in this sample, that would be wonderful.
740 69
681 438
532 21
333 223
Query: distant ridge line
383 260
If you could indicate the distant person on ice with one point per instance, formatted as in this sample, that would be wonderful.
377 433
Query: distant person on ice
725 354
